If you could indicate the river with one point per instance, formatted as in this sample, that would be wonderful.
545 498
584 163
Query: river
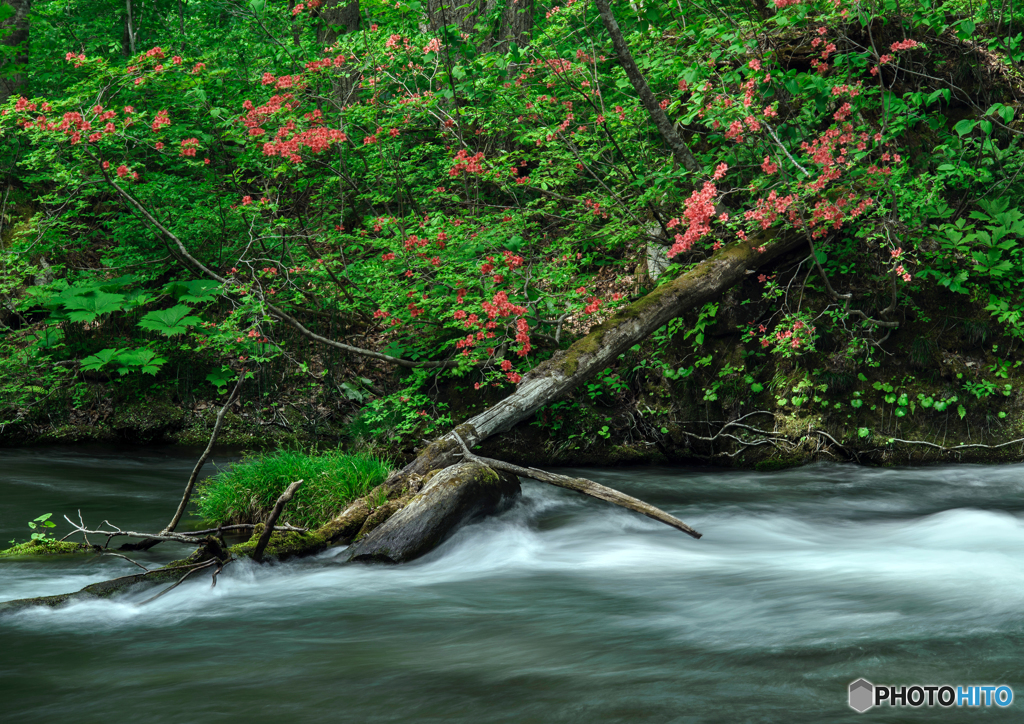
562 609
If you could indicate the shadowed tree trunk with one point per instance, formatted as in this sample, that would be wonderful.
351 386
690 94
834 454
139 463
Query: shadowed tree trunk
15 32
516 24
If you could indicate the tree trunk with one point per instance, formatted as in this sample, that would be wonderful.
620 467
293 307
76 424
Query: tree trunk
15 32
516 24
668 133
569 368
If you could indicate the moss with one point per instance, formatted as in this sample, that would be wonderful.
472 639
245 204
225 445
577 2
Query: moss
780 463
45 547
282 545
147 421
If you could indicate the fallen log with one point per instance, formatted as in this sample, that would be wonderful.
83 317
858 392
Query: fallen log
569 368
419 516
449 498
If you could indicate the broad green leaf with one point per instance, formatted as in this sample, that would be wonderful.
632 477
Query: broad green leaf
964 127
100 359
170 322
87 307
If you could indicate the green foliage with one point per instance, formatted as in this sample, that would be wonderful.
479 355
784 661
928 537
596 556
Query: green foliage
44 522
248 490
438 194
170 322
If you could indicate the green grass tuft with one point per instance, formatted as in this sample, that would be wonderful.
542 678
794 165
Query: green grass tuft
246 493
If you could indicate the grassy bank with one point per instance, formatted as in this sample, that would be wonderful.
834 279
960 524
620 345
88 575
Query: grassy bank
246 493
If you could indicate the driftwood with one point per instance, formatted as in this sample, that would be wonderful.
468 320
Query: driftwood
587 487
286 496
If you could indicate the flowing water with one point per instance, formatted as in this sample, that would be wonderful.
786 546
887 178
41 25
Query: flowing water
562 609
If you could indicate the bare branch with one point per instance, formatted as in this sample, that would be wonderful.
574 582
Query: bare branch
582 485
206 453
257 555
181 580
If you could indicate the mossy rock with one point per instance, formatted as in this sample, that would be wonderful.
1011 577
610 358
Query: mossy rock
780 463
45 547
148 421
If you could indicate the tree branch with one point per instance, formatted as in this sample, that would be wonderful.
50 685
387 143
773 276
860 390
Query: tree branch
679 150
582 485
206 453
257 555
292 321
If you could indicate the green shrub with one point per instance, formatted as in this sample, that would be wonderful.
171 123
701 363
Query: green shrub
247 491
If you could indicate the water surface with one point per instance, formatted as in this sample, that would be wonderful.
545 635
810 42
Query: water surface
563 609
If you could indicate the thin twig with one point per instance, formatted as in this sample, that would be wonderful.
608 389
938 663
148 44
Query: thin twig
111 553
180 581
206 453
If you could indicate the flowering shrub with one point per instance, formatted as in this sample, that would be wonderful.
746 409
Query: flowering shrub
459 203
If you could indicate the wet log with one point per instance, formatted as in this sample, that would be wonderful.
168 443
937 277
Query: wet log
206 556
448 499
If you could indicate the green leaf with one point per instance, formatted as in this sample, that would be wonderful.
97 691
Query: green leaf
170 322
197 291
86 307
962 411
220 378
964 127
48 337
863 432
100 359
145 360
966 29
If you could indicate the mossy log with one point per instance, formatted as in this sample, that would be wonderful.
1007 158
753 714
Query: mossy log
449 498
112 587
566 370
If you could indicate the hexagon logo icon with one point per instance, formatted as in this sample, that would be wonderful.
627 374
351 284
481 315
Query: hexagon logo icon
862 694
